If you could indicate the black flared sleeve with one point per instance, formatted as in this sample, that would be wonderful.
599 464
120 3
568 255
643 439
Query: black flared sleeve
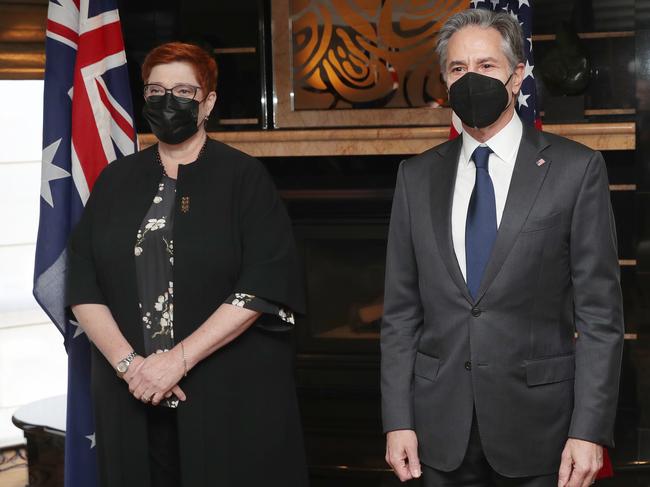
81 281
270 268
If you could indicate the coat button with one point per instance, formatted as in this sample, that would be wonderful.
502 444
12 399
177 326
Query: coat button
468 365
476 312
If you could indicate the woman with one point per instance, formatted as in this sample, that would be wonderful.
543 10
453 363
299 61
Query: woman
184 275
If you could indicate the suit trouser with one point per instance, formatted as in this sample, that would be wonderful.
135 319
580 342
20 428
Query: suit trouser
475 471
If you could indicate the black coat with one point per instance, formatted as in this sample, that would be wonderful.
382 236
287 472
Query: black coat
240 424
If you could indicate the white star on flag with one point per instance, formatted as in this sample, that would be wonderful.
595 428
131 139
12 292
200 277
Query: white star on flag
79 330
528 70
92 440
521 99
50 172
521 11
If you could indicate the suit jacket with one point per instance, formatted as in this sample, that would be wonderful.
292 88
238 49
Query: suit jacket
512 355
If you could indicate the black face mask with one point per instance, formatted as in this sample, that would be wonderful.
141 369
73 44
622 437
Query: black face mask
478 100
171 121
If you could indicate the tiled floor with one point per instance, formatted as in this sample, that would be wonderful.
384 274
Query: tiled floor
13 468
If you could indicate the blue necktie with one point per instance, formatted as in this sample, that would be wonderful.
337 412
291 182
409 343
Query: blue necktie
481 226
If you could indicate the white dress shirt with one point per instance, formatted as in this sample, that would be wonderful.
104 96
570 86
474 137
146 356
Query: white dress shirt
505 146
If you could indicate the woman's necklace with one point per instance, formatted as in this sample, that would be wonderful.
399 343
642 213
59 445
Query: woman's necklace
159 160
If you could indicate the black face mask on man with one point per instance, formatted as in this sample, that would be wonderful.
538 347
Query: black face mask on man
171 121
479 100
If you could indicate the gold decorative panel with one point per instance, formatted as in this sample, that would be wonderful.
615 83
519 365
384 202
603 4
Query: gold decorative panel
336 62
367 53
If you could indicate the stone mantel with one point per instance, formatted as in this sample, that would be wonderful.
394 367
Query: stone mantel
400 140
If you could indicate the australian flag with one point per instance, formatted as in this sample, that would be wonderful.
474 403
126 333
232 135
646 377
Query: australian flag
87 123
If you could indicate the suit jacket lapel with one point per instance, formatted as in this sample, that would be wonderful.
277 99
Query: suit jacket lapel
527 179
443 181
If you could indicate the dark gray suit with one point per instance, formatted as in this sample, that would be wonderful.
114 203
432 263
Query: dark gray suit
511 354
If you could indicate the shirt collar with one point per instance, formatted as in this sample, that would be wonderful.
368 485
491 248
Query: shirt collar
500 143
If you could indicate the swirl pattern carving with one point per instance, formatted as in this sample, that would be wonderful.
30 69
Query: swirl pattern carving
367 53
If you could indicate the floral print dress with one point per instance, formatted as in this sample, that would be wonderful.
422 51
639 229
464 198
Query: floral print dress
154 264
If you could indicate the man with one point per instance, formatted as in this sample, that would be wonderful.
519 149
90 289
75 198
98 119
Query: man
502 333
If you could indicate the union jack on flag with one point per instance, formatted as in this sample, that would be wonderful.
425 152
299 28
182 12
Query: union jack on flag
526 103
87 123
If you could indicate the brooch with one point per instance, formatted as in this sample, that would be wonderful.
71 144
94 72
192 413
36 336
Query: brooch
185 204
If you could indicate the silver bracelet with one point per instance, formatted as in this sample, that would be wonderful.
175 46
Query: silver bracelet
184 359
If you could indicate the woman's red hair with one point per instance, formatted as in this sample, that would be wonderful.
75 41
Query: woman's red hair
204 65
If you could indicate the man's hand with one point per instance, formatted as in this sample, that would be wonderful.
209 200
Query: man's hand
402 454
581 462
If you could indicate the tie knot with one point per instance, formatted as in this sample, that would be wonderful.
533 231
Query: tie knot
481 156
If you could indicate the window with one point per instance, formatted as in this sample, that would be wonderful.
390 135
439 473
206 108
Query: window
33 363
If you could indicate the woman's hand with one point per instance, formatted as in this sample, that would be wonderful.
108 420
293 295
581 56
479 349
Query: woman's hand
156 377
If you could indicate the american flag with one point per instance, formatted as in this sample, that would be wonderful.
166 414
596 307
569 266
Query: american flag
526 103
87 124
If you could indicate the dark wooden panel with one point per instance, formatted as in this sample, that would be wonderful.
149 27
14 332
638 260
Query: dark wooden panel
22 39
21 22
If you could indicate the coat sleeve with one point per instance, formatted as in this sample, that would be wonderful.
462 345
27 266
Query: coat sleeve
403 315
81 283
270 264
598 308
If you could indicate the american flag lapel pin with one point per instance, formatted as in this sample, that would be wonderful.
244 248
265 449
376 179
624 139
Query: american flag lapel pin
540 162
